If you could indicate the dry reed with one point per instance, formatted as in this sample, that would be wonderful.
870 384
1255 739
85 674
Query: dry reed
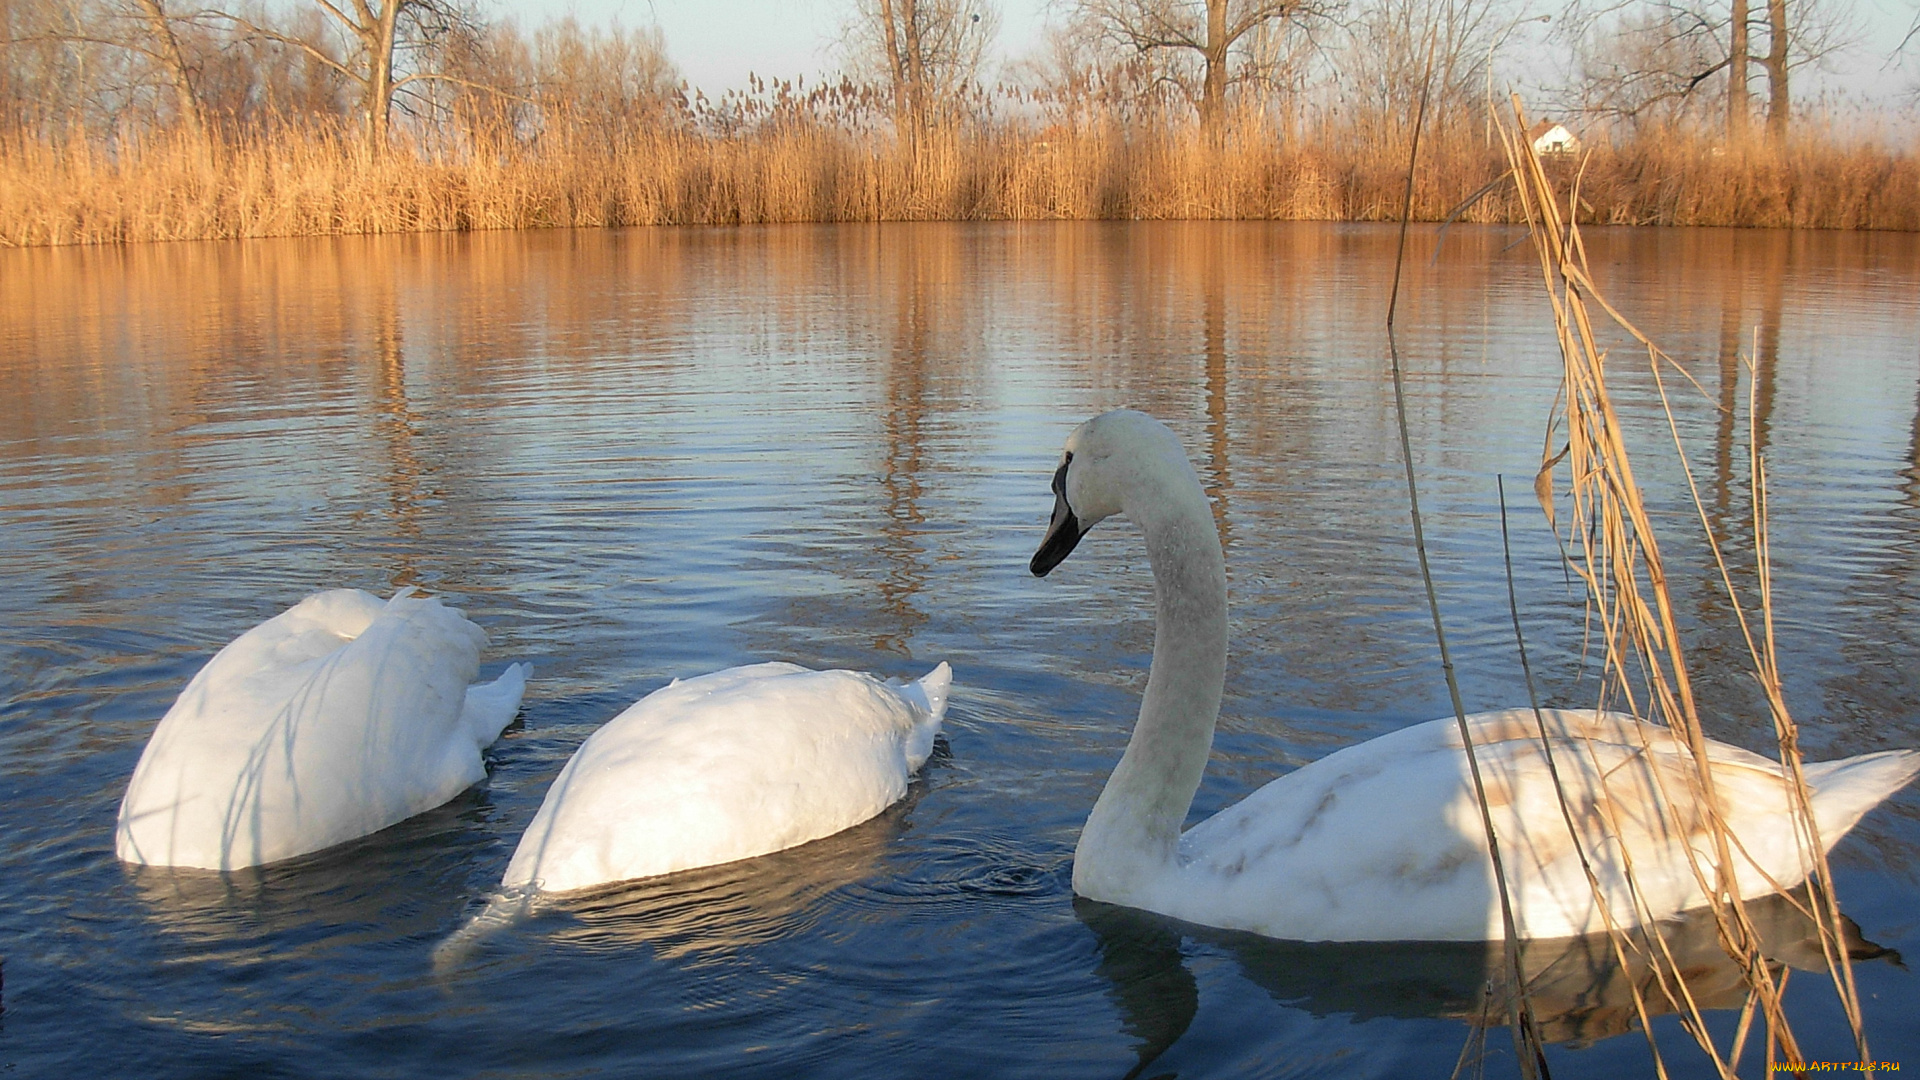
295 180
1617 555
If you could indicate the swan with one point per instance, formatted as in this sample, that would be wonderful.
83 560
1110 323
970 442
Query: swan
726 766
1383 841
334 719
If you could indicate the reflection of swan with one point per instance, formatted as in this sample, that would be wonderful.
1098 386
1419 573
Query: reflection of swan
1577 989
727 766
732 906
411 878
1383 841
332 720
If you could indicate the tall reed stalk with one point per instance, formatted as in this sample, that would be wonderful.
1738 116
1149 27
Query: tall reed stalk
1614 550
1527 1046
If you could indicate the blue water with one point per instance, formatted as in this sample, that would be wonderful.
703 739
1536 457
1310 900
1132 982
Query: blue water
636 455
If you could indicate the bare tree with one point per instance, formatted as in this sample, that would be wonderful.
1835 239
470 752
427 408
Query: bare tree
1739 49
1907 41
253 82
1214 36
926 51
1075 86
1385 62
1807 33
49 66
392 45
118 51
1663 56
607 81
1654 64
164 46
1775 64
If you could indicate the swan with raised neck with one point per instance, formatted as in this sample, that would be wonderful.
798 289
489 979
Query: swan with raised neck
1383 840
1129 464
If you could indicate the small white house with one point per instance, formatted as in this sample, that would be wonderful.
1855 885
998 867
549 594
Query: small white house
1551 138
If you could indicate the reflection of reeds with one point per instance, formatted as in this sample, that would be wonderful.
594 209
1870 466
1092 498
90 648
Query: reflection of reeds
1614 550
293 180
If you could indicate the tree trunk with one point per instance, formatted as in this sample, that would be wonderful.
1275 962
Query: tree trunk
916 72
1739 107
1213 91
894 68
161 27
380 36
1779 105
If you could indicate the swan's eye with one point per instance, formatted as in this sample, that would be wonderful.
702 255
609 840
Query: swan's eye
1060 476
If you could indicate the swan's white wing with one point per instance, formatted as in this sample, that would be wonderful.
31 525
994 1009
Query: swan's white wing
1363 840
490 707
928 697
1632 791
336 718
726 766
1384 840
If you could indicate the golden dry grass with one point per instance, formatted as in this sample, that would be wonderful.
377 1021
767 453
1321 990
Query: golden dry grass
1614 550
310 181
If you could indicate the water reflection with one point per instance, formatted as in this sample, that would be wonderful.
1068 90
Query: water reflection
1214 348
639 454
397 425
1579 989
905 386
409 879
733 906
1871 689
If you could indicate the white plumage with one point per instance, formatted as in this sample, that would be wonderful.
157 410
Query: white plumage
726 766
1383 840
332 720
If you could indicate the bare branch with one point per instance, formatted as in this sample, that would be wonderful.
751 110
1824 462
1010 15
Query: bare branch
455 80
265 33
1205 47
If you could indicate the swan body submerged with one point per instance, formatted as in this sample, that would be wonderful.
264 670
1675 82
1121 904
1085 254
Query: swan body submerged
334 719
1383 840
726 766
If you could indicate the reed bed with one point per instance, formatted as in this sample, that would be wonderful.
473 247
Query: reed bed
298 180
1613 549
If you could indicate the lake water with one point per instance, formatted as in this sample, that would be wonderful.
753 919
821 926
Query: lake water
635 455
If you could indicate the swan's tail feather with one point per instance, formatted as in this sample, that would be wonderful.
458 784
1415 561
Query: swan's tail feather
490 707
928 696
502 910
1843 791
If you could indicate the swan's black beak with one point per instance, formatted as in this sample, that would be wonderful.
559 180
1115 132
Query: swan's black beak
1063 532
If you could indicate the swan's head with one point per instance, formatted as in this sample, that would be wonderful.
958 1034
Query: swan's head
1112 460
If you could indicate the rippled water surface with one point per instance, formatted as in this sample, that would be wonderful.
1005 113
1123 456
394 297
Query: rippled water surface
635 455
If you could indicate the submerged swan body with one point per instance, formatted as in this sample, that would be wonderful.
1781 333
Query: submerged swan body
334 719
1383 841
726 766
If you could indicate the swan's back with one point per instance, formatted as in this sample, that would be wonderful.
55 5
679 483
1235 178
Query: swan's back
727 766
334 719
1383 840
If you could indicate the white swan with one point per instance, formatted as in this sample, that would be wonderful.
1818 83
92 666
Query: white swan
727 766
1383 841
334 719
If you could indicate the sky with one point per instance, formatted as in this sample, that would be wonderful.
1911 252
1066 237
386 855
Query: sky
717 43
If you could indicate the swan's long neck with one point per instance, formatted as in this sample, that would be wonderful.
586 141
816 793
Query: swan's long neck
1134 830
